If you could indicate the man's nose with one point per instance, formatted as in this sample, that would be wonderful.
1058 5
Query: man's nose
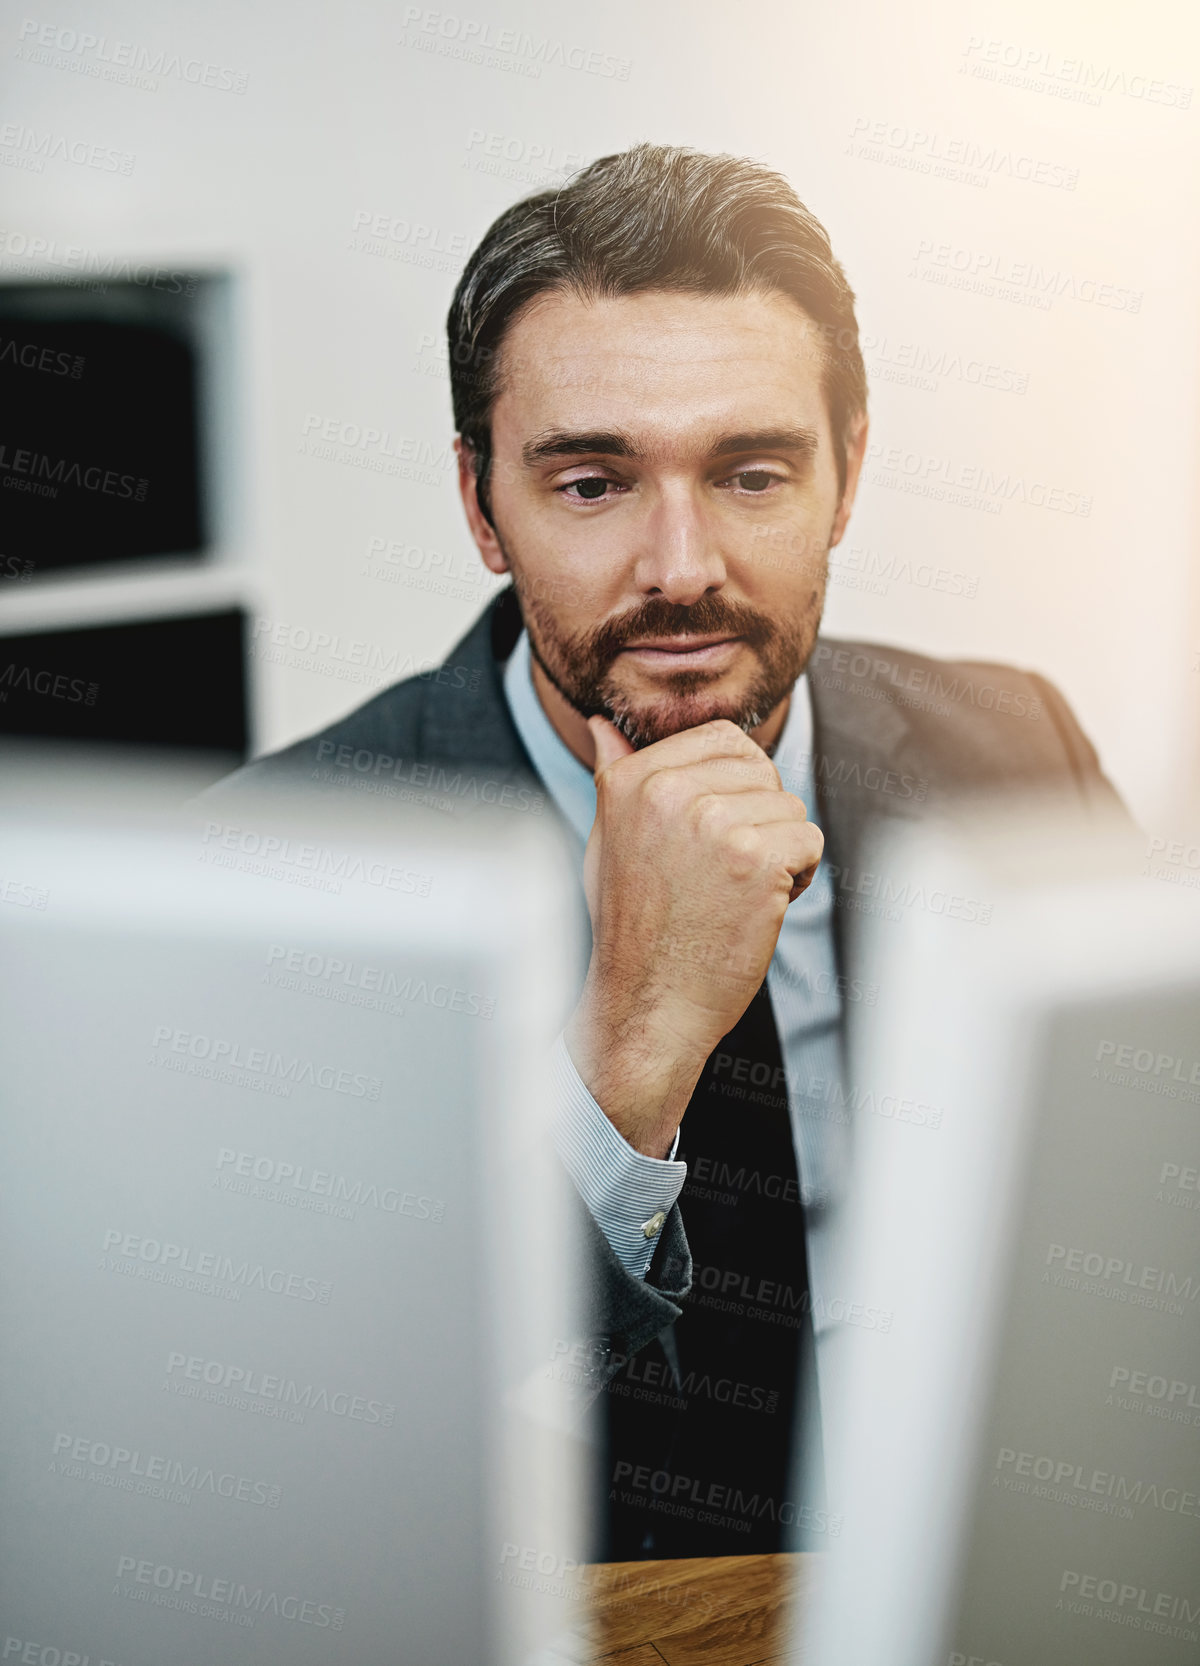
679 557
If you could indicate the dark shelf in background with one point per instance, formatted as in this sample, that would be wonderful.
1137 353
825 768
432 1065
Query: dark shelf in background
101 430
177 682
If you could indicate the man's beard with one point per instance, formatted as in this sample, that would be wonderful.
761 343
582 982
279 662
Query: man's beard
580 666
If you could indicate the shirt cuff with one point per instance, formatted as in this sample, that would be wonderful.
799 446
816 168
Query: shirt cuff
627 1194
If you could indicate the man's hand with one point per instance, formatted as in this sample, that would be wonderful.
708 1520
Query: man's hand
694 856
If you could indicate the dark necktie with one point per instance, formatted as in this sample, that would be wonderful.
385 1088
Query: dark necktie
700 1430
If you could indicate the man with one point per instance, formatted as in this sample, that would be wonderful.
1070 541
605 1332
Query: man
661 407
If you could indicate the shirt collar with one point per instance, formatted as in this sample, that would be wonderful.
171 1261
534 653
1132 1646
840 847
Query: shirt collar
570 784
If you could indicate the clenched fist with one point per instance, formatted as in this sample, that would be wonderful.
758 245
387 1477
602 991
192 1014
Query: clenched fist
694 856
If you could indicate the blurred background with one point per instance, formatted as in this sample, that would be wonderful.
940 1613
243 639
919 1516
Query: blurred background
230 235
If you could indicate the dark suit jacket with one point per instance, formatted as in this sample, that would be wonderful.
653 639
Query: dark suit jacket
895 734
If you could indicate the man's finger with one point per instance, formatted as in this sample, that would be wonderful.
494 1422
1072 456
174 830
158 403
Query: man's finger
609 742
728 776
718 739
795 845
802 881
749 808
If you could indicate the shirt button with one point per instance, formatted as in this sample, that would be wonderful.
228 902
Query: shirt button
652 1227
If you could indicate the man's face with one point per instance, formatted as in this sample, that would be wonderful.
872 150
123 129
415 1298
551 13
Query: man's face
665 493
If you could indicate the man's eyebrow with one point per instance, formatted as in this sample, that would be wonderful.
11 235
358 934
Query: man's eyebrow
568 442
605 442
803 440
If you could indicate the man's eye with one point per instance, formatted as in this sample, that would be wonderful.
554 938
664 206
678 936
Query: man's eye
590 488
754 480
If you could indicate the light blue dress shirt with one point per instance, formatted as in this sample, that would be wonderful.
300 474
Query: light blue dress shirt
627 1192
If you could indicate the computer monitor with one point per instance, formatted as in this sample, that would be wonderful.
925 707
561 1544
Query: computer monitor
1015 1456
284 1258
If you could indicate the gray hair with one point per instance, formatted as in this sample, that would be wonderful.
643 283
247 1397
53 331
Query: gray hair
652 217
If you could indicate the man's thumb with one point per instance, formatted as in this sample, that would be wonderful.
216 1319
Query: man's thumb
609 742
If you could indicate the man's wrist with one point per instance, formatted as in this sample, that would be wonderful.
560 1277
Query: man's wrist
628 1194
640 1071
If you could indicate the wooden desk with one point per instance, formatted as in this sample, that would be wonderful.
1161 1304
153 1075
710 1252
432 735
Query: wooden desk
704 1611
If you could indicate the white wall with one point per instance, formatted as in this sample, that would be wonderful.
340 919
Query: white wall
344 117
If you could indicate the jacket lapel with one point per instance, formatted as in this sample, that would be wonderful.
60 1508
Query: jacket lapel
858 745
464 715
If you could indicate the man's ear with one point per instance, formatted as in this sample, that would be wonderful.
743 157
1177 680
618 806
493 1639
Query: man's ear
482 530
856 450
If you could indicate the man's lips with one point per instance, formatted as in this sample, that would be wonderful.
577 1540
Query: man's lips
682 650
684 643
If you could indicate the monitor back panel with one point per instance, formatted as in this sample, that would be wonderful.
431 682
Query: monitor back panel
257 1142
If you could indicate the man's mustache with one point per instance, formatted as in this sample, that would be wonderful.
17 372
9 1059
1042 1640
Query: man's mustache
710 616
